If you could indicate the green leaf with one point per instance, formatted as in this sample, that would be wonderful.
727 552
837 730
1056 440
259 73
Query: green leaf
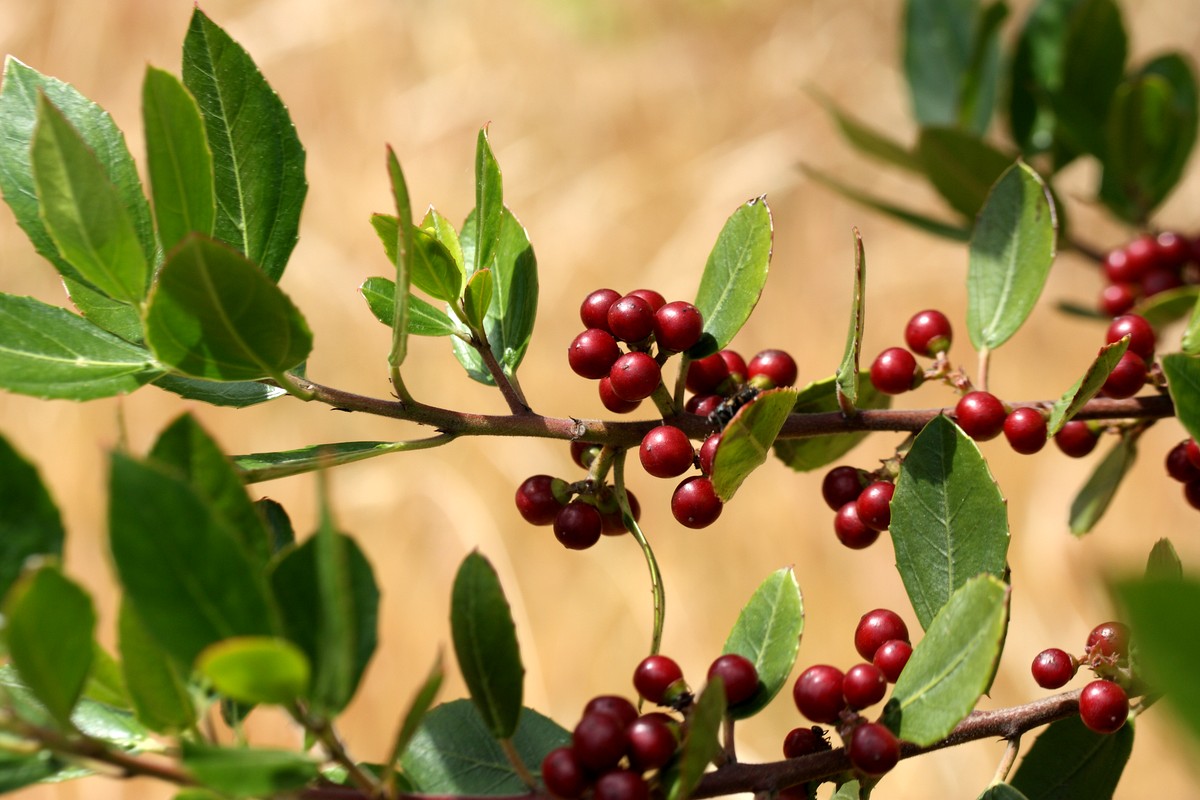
434 270
256 669
269 466
258 162
1087 386
279 524
48 352
820 397
248 772
49 623
403 257
1183 384
485 642
949 521
100 721
418 712
1092 501
1001 791
334 619
214 315
510 319
869 141
105 683
178 159
734 275
961 166
1036 76
1011 253
21 769
489 205
1093 62
477 298
979 83
850 790
98 308
1070 762
183 569
453 751
232 394
30 525
423 318
938 40
83 211
767 632
935 227
157 685
700 743
746 441
953 665
1163 562
847 377
440 228
1191 336
1166 307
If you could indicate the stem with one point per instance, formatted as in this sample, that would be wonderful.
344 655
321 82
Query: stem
512 392
324 731
1012 747
984 359
730 754
518 765
398 386
656 584
1084 249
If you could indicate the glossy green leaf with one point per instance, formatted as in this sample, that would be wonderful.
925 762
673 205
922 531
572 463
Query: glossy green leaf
938 39
21 769
850 790
867 140
403 257
1183 383
767 632
949 521
30 525
178 159
258 161
489 205
1087 386
847 377
820 397
83 210
214 315
184 570
1069 762
953 665
1191 336
1166 307
258 467
485 642
453 751
961 166
734 275
334 619
510 319
1002 791
98 720
746 441
105 683
434 270
1092 500
99 309
1163 562
232 394
279 524
1036 74
700 743
980 82
441 229
477 298
1093 63
946 230
256 669
157 683
248 772
423 318
418 710
1011 253
49 624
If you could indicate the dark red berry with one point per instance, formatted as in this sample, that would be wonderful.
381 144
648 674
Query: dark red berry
613 524
739 674
777 367
594 311
1025 429
1142 256
563 775
873 749
863 686
705 375
1103 706
841 485
1109 639
876 627
891 658
1076 438
621 784
1120 268
652 297
894 371
874 505
703 404
737 365
708 451
1192 450
612 704
818 693
582 453
802 741
652 742
980 415
599 741
928 333
666 452
631 319
677 326
1173 250
593 353
1127 377
635 376
1157 281
1191 493
1117 298
536 499
850 530
1179 466
695 503
654 676
613 403
1053 668
577 525
1141 335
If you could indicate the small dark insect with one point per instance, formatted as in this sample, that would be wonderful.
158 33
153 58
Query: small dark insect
722 414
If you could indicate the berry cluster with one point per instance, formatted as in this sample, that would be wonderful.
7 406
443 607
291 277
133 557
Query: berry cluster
579 512
1104 703
1146 266
862 502
825 694
1183 464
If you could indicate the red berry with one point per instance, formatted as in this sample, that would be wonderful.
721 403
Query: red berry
980 415
666 452
1110 639
802 741
818 693
613 704
863 686
1192 450
739 674
695 503
1173 250
613 524
894 371
593 353
577 525
873 749
703 404
635 376
1180 466
875 628
1127 377
652 742
1076 438
775 366
1191 493
1141 335
677 326
599 741
563 775
631 319
850 530
891 658
621 784
1157 281
1053 668
1119 268
1103 706
874 505
582 453
594 311
1142 255
737 365
705 375
654 676
536 499
708 451
1025 429
613 403
928 333
841 485
652 297
1117 298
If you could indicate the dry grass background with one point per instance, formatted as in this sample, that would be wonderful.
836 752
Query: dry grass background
627 132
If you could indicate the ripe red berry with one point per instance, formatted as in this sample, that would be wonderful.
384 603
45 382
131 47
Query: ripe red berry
928 333
1173 249
1141 336
599 741
582 453
1192 451
705 375
777 367
677 326
1117 298
655 676
594 310
695 503
703 404
1076 438
1157 281
666 452
874 505
593 353
802 741
1127 377
1109 639
635 376
613 524
1142 256
536 499
563 775
613 403
577 525
841 485
875 628
621 784
873 749
708 451
1053 668
1025 430
1191 493
652 297
863 686
1180 466
612 704
891 658
652 742
1103 706
1119 268
739 674
894 371
631 319
850 530
818 693
738 370
980 415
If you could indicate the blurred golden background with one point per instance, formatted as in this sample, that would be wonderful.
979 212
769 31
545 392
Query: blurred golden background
627 131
